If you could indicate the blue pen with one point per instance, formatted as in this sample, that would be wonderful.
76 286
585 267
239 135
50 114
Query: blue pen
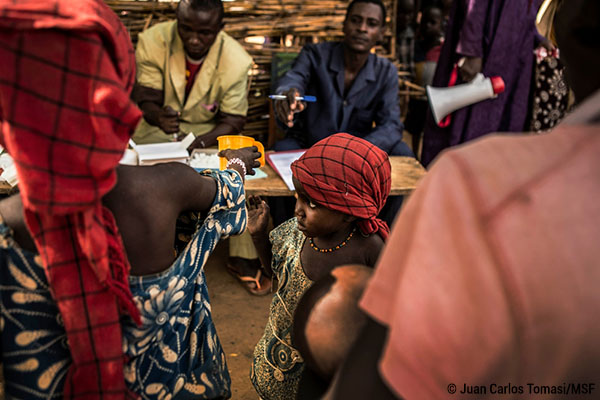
308 99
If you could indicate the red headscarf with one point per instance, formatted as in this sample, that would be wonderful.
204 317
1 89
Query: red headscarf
66 74
347 174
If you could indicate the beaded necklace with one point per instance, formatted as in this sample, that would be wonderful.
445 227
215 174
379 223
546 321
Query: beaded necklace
329 250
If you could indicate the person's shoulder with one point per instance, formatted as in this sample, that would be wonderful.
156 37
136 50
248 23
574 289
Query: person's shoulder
382 64
323 46
154 43
161 33
496 152
320 50
319 55
233 54
286 228
156 178
370 246
286 233
495 166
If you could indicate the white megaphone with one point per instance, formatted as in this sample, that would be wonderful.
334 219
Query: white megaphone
444 101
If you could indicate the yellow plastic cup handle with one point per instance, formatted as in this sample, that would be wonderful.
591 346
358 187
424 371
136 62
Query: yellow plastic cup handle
238 142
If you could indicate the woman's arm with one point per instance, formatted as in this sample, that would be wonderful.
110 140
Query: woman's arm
189 190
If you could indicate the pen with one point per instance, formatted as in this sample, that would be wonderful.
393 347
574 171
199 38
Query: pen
308 99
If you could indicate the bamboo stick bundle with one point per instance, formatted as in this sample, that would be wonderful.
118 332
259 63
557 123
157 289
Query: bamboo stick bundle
244 18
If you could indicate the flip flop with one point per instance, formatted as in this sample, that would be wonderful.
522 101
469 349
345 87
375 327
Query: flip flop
252 284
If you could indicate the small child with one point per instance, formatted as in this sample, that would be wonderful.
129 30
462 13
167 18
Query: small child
342 183
428 44
327 322
405 36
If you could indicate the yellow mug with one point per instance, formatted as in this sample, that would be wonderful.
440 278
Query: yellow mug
238 142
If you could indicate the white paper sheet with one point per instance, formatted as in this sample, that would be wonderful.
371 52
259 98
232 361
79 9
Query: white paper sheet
281 162
163 152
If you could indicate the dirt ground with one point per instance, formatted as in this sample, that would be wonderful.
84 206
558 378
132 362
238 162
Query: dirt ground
240 319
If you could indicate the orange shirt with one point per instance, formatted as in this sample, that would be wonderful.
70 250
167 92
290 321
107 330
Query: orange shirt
490 275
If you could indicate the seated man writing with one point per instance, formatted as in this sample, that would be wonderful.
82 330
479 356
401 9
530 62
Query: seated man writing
191 77
357 91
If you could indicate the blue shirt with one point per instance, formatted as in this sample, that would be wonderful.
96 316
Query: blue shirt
370 109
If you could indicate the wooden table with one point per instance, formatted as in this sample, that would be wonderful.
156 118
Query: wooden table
406 172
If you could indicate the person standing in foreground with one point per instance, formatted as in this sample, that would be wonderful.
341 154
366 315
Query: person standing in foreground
67 72
341 184
496 286
494 38
405 36
191 77
175 350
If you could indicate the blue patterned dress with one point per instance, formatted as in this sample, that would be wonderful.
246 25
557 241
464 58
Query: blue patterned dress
175 352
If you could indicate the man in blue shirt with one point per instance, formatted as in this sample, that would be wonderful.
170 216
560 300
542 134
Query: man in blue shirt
357 91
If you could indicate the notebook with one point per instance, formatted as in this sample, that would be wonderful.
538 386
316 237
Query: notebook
154 153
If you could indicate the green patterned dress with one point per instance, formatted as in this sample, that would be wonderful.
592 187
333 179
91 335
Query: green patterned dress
277 365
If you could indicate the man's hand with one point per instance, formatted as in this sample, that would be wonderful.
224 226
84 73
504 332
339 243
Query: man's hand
258 216
468 67
248 155
198 143
285 109
168 120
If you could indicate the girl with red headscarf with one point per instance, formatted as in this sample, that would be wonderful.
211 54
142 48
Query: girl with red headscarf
342 183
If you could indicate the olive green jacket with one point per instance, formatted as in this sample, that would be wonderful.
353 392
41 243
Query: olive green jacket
220 85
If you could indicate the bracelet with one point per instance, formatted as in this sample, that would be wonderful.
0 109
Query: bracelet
238 162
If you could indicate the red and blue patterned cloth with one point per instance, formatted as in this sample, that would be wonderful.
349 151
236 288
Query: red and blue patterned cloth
173 353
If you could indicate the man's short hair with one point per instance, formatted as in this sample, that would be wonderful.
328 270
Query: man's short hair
376 2
206 5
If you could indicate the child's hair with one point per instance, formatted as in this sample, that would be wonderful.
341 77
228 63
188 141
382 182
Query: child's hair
350 175
327 320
